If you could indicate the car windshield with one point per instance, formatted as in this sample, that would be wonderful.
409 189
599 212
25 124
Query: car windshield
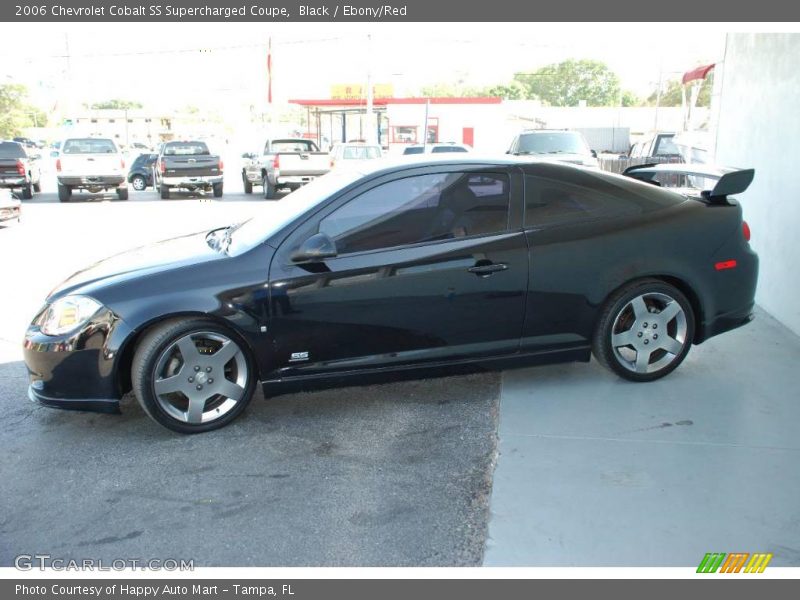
275 215
11 150
666 146
89 146
186 149
552 142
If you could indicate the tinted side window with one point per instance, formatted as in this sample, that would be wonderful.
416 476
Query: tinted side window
553 202
423 208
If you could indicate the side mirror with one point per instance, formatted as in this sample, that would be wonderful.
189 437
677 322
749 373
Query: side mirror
315 249
594 154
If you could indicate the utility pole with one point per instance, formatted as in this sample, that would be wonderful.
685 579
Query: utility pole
425 127
658 94
370 125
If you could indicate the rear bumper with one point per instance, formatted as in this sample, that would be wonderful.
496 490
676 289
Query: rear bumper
9 213
92 181
13 182
727 322
295 179
201 181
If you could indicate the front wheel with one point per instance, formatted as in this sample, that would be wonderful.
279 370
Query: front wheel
645 330
192 375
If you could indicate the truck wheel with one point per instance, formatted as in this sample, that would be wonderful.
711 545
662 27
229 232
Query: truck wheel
37 187
217 190
248 187
269 189
27 192
164 192
64 193
122 193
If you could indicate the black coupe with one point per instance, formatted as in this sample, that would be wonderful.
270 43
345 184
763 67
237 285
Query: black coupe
412 266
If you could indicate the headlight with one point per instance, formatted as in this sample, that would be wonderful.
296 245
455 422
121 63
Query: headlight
68 313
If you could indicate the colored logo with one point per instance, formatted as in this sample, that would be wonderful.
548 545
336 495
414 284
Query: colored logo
737 562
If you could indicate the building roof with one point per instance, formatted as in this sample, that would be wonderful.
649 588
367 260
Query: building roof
349 102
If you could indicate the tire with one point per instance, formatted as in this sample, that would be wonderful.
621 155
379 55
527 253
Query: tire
27 192
37 187
190 393
139 183
122 193
634 340
269 189
217 190
164 192
64 193
248 186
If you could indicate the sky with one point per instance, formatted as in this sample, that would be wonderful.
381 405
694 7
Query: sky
223 65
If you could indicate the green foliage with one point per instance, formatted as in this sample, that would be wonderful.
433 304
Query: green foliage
568 82
671 94
513 91
16 113
630 99
116 104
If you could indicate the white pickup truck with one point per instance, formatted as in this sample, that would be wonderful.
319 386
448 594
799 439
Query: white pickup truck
90 164
284 163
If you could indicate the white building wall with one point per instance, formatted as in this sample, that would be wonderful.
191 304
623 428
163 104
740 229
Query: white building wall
759 127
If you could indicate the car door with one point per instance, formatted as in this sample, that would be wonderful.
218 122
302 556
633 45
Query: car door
432 265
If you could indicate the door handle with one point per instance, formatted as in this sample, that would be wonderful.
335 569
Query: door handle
486 270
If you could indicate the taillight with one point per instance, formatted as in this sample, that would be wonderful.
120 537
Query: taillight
20 168
276 162
122 162
58 164
333 162
220 165
162 166
746 231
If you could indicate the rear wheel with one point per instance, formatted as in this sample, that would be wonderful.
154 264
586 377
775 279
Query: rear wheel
27 192
37 187
192 375
164 192
122 193
217 190
645 331
248 187
138 182
64 192
269 189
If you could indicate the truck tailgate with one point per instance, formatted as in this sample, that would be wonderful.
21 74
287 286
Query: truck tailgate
191 166
91 164
304 163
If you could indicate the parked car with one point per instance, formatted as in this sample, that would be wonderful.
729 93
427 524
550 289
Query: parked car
283 163
436 148
412 265
659 145
140 175
559 145
10 207
90 164
27 142
19 170
352 154
188 165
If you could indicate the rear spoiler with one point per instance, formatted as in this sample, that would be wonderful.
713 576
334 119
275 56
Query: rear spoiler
729 181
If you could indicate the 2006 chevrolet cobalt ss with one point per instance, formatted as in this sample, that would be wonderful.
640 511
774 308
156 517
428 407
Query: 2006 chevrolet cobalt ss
415 265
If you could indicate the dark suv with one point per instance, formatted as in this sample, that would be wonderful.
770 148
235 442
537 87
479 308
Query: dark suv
140 175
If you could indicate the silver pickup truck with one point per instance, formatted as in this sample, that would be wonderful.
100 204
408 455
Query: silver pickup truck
284 163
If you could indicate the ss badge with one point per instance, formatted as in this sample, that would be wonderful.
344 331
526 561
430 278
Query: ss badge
298 356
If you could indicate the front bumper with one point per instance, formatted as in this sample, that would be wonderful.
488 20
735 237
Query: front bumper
77 370
9 213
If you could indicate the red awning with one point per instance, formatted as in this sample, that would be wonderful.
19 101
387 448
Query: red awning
698 73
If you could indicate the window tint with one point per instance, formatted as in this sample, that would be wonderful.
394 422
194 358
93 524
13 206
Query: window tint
11 150
553 202
293 146
186 149
413 150
361 152
423 208
666 146
89 146
553 142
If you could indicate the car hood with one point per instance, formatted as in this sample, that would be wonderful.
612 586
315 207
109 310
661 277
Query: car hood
162 256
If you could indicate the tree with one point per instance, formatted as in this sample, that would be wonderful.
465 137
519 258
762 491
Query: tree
630 99
116 104
514 90
671 94
568 82
16 113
